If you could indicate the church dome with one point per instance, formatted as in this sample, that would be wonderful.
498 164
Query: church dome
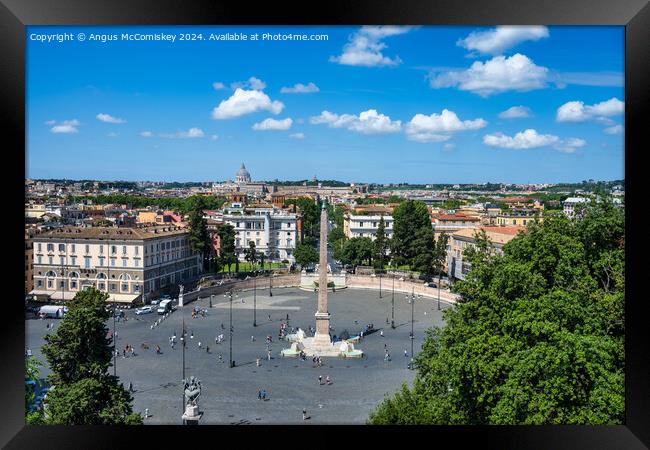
243 176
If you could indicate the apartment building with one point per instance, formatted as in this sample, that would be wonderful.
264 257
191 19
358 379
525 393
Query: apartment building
366 226
461 240
451 222
273 231
570 205
128 263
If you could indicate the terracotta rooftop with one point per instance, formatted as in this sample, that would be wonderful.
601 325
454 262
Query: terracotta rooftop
132 233
438 216
498 235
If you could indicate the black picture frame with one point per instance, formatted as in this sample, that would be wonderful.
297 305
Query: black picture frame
633 14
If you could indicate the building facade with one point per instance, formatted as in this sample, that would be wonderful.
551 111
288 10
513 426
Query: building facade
273 231
128 263
366 226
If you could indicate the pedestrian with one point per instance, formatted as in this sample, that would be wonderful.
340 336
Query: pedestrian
220 358
328 380
269 317
252 338
199 345
158 352
381 333
146 413
263 394
207 349
406 354
259 394
268 354
304 414
124 353
191 334
320 380
258 362
222 327
130 386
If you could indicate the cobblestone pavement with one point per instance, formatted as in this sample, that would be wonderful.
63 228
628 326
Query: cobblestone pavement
229 395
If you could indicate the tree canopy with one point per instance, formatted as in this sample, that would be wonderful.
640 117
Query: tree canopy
79 354
537 336
412 242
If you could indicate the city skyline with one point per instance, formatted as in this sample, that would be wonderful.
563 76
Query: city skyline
418 105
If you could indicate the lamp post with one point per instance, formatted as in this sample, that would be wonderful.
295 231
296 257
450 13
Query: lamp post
255 301
183 352
379 284
438 292
230 295
392 321
411 300
270 282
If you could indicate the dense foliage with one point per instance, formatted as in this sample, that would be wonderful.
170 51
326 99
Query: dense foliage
306 254
227 255
538 336
412 242
181 205
79 354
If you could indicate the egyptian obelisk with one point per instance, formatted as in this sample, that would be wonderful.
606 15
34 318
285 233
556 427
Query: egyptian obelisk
322 336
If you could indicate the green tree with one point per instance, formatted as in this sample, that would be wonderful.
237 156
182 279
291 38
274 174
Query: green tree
410 227
306 254
251 254
79 355
440 255
357 251
537 336
33 383
227 254
198 227
382 244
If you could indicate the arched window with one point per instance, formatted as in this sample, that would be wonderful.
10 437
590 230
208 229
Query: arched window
101 276
50 274
124 282
73 275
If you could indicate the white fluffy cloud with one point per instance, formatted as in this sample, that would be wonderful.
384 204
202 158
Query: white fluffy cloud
246 102
109 119
499 74
297 136
253 83
191 133
300 89
65 127
146 134
365 47
522 140
570 145
515 112
577 111
438 127
501 38
273 124
217 85
367 122
616 129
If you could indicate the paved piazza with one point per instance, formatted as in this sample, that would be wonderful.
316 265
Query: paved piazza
229 395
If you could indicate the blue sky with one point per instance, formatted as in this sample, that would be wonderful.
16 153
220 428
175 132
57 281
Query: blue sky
369 104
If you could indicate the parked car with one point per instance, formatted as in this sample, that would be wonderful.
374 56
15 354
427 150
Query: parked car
432 285
155 302
144 310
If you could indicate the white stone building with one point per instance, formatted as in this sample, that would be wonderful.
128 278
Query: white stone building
571 203
366 226
125 262
272 230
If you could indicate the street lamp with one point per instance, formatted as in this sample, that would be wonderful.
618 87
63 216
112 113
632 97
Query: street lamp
230 295
255 300
392 322
270 282
183 333
379 284
411 298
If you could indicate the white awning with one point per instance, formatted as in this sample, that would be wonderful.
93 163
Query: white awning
69 295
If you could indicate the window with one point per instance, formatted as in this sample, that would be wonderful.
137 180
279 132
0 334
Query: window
124 262
112 286
257 242
125 287
137 250
137 263
49 284
62 260
361 224
50 247
72 248
113 262
124 249
39 246
87 248
62 284
136 288
73 260
50 260
113 249
101 285
40 259
39 283
101 260
61 247
101 249
73 284
87 262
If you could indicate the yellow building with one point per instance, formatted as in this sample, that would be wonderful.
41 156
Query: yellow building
147 217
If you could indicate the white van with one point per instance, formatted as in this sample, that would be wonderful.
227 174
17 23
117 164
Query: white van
52 311
164 306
